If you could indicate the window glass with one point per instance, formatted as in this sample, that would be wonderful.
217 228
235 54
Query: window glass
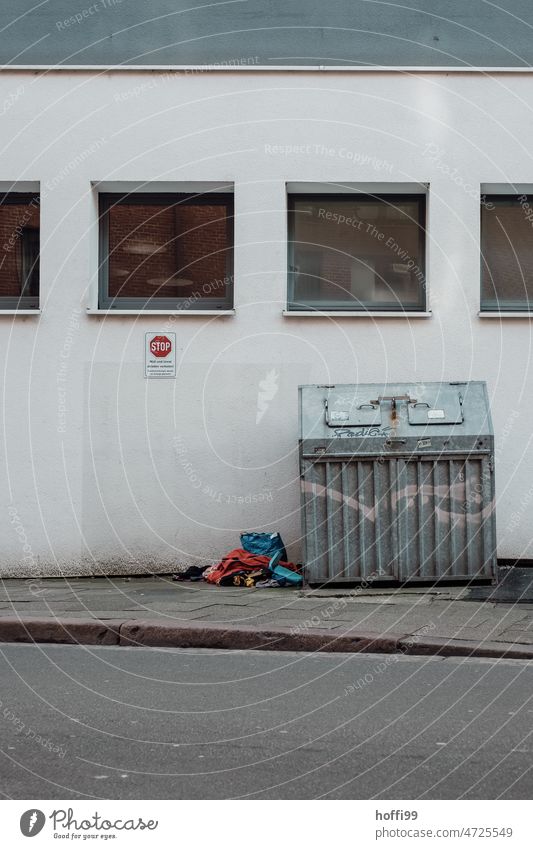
19 250
357 252
507 253
173 248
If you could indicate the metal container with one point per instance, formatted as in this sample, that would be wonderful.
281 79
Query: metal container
397 482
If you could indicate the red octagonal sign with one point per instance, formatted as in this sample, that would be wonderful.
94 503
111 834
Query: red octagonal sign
160 346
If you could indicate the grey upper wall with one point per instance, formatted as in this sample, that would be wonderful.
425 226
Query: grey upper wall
267 32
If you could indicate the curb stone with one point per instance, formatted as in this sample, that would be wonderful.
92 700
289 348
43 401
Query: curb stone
242 637
135 632
71 630
446 647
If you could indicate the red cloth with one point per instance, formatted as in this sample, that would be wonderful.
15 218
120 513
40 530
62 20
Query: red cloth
240 560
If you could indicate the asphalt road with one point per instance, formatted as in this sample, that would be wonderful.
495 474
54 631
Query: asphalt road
188 724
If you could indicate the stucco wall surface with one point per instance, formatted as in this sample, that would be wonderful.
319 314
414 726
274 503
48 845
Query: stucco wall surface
102 469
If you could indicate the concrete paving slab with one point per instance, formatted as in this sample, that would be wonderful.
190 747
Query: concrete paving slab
525 623
451 614
234 602
109 603
224 615
382 619
105 615
267 622
424 612
513 636
292 604
407 590
278 598
451 632
406 600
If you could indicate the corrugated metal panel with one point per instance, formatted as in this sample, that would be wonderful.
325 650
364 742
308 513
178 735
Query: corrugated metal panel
349 518
381 519
445 511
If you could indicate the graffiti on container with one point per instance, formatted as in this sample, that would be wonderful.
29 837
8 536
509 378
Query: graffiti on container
347 433
405 498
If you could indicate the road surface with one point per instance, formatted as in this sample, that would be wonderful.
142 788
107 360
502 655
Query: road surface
119 723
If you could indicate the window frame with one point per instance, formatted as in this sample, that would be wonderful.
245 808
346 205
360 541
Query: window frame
353 307
106 200
22 302
499 305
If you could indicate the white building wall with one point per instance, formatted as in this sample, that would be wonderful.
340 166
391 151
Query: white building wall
144 475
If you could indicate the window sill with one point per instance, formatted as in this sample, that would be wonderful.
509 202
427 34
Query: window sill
503 314
355 314
20 312
181 313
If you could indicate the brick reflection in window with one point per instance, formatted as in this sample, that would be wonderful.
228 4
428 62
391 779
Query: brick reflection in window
19 248
169 251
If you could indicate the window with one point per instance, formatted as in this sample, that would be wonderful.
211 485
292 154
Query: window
361 252
507 253
19 251
166 251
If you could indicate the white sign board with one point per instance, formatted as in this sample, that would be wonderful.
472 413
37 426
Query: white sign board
160 355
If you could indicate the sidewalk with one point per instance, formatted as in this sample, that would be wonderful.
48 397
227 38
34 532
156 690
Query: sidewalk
157 611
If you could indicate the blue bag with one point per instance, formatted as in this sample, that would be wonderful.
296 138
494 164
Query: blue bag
267 544
286 576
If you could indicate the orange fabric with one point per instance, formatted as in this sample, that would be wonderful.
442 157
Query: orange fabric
240 560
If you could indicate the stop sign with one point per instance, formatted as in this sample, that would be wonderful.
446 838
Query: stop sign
160 346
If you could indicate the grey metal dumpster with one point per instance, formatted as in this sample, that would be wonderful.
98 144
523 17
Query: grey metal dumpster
397 482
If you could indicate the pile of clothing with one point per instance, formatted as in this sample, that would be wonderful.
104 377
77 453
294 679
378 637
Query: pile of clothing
260 562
